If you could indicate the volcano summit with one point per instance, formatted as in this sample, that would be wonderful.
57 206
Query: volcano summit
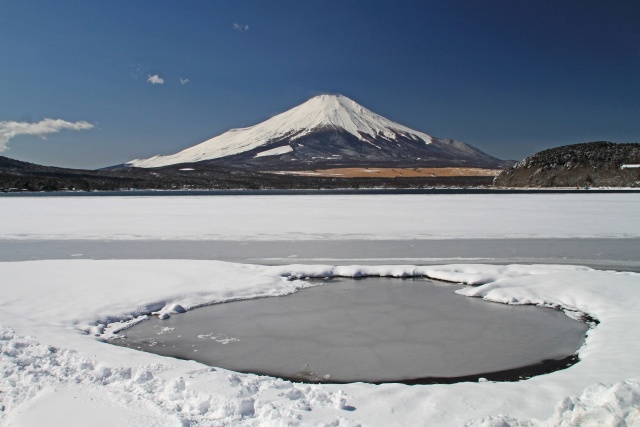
327 131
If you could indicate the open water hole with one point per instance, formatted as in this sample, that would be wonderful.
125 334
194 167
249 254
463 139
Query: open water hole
370 330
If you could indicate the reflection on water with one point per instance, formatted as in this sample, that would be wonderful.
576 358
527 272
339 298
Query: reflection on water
374 329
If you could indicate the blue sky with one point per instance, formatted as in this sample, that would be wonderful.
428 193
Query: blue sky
510 77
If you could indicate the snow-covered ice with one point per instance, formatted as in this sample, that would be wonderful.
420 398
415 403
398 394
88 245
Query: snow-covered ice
322 217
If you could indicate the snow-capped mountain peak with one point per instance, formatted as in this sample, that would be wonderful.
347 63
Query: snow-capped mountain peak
320 112
326 130
340 112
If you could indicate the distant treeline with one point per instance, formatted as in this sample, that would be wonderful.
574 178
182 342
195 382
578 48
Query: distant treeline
22 176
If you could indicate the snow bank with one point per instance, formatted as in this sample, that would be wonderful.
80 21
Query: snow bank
51 309
317 217
598 405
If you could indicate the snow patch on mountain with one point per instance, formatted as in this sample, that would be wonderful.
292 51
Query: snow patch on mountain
321 112
275 151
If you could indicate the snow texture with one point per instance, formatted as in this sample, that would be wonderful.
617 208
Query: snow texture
54 365
322 217
320 112
55 315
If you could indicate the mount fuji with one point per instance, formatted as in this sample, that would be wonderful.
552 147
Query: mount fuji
326 131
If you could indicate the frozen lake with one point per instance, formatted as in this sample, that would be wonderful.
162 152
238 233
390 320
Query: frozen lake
73 265
368 330
607 253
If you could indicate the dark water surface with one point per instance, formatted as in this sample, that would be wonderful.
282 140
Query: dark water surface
370 330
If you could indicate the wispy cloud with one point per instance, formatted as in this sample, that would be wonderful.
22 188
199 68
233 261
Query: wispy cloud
155 80
183 81
10 129
240 27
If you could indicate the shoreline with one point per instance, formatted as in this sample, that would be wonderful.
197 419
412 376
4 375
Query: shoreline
328 191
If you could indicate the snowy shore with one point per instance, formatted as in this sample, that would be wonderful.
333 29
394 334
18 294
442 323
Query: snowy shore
56 312
56 369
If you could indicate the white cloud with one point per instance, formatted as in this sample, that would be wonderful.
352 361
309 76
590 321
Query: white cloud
240 27
11 129
183 81
155 80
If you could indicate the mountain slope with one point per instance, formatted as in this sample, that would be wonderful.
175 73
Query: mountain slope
327 130
592 164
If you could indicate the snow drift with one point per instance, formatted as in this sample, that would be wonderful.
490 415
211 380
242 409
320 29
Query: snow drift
55 314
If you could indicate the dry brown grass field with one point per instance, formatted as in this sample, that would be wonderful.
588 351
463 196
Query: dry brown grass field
395 172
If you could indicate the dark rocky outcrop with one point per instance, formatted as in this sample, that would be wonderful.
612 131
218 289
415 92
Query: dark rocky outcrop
592 164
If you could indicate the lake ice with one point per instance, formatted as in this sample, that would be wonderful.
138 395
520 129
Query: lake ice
369 330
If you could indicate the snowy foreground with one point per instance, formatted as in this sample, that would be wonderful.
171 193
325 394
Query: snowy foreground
54 367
